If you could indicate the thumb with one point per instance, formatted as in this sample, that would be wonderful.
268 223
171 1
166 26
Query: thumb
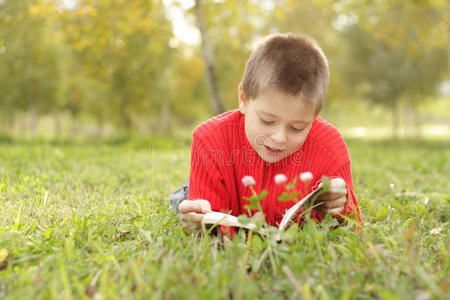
338 183
204 206
195 206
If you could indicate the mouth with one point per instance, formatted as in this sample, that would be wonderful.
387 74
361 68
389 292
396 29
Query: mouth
273 151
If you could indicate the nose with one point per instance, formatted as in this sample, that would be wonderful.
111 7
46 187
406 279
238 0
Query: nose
279 136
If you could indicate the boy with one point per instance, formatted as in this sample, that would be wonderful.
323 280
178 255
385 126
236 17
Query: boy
276 130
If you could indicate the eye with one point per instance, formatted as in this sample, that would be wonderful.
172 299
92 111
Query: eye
267 122
295 129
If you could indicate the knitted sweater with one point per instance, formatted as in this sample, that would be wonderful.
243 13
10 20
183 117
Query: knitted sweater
221 155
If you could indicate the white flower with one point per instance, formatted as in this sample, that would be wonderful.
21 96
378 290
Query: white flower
435 230
392 185
248 180
280 178
306 176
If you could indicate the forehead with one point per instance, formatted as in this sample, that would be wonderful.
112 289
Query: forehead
286 107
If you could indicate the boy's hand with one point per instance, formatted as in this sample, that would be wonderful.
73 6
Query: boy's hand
333 203
192 212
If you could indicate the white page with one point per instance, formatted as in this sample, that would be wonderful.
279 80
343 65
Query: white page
291 211
229 220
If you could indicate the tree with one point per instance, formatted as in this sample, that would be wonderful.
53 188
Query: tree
32 75
398 49
217 104
231 29
124 46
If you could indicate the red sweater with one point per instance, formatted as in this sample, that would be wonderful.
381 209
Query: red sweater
221 155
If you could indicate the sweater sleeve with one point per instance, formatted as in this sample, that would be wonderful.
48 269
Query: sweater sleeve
206 179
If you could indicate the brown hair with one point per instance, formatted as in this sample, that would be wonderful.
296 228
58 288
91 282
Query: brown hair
292 64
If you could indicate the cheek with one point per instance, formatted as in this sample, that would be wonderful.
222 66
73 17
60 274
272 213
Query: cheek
255 129
297 142
258 138
250 132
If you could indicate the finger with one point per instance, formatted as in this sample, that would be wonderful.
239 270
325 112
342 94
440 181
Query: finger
198 206
192 217
335 211
332 207
330 197
185 206
340 202
338 184
188 206
205 206
333 196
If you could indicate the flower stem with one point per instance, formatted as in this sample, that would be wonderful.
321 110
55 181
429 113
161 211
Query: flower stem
247 251
253 191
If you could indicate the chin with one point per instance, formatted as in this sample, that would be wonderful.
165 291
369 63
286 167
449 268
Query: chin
272 159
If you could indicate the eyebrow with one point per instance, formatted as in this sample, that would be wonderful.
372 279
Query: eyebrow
275 116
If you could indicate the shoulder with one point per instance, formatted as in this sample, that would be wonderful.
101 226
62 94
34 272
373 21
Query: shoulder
214 139
327 137
219 124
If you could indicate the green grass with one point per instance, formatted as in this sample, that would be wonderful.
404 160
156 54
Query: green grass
82 221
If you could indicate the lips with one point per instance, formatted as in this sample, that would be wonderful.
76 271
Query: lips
273 151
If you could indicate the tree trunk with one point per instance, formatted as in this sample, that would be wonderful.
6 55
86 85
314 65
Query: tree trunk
126 120
448 33
4 114
74 125
217 103
100 125
414 123
417 124
395 120
22 126
9 120
33 119
164 115
57 124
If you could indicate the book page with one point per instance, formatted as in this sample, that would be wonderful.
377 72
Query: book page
225 219
293 210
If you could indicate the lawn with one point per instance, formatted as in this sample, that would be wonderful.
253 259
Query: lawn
82 221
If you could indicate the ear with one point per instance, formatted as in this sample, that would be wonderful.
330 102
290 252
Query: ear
242 99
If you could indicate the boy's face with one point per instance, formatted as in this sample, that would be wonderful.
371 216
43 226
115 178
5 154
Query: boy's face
276 125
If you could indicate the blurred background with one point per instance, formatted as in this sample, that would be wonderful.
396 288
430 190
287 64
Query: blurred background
80 69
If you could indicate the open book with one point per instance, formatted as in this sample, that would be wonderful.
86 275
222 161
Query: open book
219 218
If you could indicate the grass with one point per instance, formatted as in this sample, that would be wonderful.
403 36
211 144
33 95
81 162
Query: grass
81 221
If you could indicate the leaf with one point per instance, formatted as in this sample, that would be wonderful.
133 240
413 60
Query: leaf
257 244
326 183
244 219
294 195
291 233
255 200
291 185
3 255
251 206
263 195
258 218
284 197
383 211
409 232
